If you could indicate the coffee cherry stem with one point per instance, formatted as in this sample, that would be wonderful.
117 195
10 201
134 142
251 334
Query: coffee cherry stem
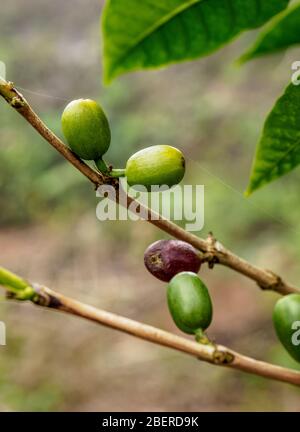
102 166
117 172
109 170
202 338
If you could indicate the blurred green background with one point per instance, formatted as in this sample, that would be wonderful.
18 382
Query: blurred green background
213 111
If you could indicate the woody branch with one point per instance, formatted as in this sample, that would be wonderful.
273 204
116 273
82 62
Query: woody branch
213 252
21 289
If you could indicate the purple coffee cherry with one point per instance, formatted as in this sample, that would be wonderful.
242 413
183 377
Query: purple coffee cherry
165 258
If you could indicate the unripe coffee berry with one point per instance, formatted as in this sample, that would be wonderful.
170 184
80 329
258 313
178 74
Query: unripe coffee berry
86 129
155 166
189 303
286 319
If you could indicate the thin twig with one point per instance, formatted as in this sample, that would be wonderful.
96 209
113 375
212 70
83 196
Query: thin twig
21 289
213 251
19 103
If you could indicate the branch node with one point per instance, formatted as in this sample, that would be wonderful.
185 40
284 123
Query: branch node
222 357
275 285
44 298
17 102
213 246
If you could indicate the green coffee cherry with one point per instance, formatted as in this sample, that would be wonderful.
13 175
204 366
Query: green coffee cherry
286 319
157 165
86 129
189 303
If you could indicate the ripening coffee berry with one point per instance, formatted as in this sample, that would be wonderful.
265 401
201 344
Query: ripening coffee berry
86 129
157 165
286 319
189 303
165 258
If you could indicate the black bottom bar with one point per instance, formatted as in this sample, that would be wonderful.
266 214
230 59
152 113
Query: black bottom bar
95 422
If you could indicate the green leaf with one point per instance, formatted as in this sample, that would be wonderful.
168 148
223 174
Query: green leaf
140 34
278 151
281 33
